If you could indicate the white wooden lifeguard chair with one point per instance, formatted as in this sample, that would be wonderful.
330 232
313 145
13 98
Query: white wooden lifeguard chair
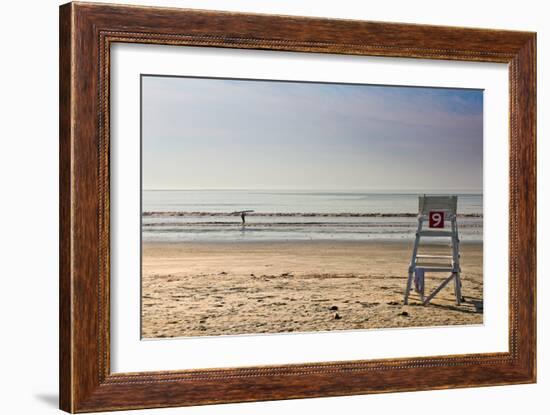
436 212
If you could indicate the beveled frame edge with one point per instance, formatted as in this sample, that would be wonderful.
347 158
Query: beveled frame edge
86 33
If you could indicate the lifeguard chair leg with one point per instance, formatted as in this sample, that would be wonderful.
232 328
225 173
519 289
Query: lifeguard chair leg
458 291
408 289
456 261
412 264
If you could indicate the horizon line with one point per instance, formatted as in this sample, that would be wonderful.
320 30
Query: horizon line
412 190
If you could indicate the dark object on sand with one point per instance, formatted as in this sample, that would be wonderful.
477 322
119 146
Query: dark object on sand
337 316
404 314
333 308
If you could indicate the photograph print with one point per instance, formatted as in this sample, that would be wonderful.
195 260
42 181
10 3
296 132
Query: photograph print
274 206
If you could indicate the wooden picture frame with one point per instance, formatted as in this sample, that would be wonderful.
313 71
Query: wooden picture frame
86 33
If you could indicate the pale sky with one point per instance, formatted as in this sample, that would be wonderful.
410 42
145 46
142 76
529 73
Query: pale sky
202 133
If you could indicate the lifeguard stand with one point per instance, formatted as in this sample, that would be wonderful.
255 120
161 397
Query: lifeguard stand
437 212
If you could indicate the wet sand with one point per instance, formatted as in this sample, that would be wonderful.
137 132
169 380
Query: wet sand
210 289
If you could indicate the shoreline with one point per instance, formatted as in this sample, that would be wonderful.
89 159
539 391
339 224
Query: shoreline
301 242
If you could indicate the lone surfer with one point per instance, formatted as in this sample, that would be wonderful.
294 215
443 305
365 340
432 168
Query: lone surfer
242 213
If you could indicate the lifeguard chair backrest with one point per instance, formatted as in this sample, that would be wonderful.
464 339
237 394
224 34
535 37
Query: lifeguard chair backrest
428 203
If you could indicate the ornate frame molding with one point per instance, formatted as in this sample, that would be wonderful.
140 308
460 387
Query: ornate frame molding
86 33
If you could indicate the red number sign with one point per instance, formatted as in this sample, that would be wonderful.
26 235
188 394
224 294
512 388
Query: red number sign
437 219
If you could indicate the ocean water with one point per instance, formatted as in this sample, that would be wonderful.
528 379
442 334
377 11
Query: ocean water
293 215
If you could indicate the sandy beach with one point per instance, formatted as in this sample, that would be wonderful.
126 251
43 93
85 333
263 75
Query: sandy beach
207 289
